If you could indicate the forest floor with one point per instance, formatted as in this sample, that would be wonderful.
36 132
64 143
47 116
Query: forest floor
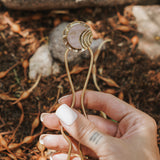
137 76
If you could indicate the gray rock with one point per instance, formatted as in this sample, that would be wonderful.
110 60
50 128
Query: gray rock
57 47
61 4
40 63
148 24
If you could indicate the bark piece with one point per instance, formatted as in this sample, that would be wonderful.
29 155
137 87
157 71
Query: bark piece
61 4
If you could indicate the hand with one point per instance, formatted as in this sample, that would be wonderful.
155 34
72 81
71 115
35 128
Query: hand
132 138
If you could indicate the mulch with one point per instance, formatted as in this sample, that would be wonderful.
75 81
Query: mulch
137 76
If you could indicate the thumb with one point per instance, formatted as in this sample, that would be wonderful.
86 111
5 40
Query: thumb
83 130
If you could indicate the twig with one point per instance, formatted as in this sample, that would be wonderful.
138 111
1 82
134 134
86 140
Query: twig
20 120
26 94
4 73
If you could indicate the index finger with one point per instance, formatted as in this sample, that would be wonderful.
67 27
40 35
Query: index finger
111 105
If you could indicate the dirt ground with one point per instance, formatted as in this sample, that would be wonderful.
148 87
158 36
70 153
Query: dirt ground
137 76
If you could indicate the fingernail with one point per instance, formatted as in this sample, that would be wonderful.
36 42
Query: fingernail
66 114
59 100
42 116
45 138
41 139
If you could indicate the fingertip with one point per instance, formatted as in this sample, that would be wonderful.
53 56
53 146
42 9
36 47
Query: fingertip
63 99
50 120
43 116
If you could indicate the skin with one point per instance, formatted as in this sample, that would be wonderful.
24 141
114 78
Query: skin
132 138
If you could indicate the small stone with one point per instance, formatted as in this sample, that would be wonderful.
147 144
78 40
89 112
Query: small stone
40 63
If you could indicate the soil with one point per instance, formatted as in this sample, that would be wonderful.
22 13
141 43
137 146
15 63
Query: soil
136 74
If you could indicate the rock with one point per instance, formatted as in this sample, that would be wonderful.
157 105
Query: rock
40 63
57 47
148 24
61 4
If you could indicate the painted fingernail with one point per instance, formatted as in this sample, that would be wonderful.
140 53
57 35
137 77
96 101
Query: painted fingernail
59 100
66 114
41 139
42 116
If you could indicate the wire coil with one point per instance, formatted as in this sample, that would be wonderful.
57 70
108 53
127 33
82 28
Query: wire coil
77 36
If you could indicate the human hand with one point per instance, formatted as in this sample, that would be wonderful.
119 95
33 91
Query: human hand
132 138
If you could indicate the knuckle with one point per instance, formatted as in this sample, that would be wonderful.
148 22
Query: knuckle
151 123
85 131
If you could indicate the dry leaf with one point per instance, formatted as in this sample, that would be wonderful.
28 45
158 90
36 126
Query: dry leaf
77 69
110 91
109 81
124 28
95 34
40 146
12 146
35 123
5 97
121 95
122 19
111 21
14 26
28 139
134 41
56 22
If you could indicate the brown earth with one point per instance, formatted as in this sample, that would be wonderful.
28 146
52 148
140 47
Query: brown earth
137 75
